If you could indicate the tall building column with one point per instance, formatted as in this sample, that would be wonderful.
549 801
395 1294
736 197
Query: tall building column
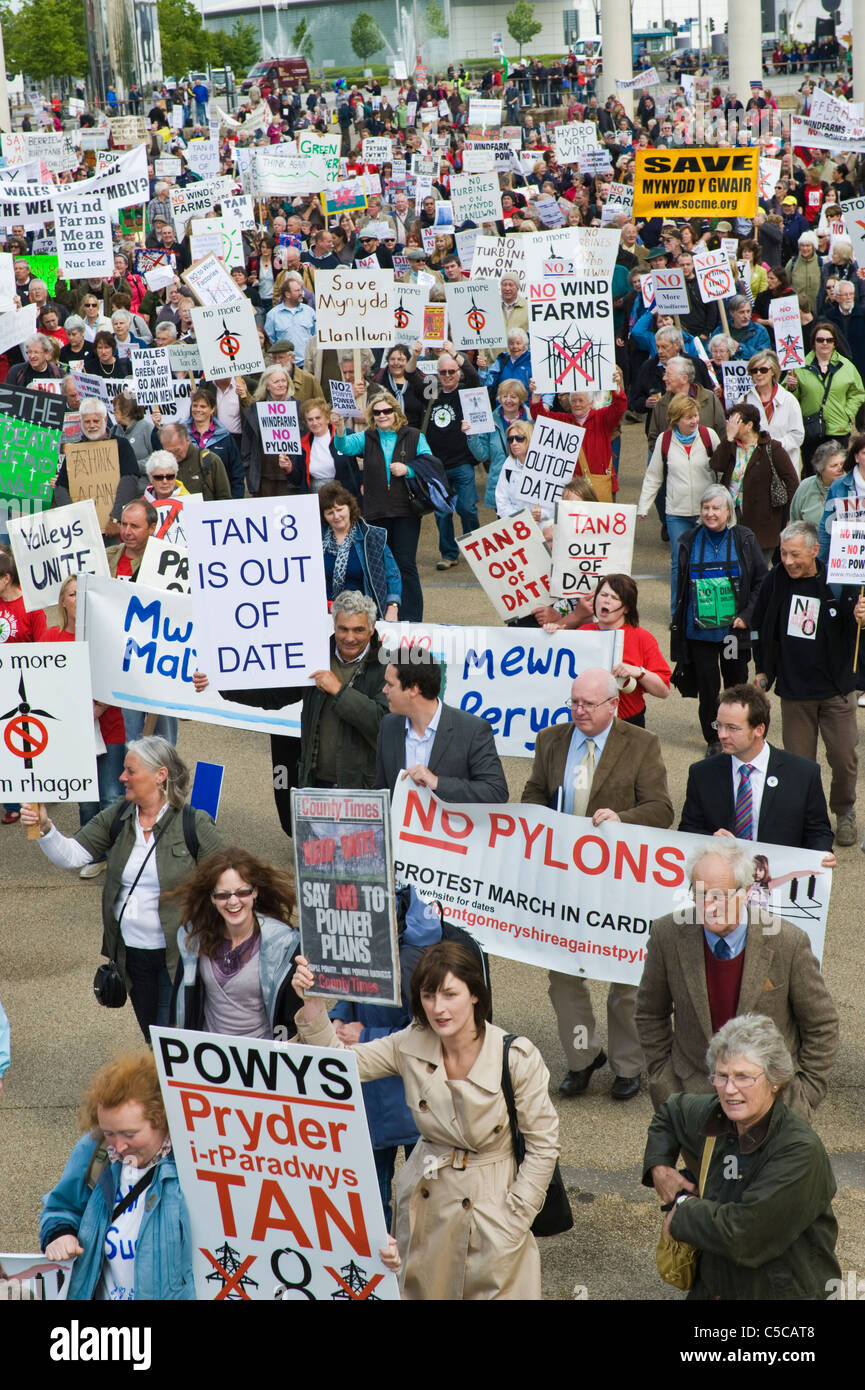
618 51
744 46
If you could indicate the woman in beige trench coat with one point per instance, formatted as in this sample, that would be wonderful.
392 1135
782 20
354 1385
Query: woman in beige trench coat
463 1214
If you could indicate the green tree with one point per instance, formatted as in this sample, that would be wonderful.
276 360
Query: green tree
240 49
435 21
302 40
521 22
46 38
186 44
366 37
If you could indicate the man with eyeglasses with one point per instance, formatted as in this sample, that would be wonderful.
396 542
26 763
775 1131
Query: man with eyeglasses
447 434
599 766
726 955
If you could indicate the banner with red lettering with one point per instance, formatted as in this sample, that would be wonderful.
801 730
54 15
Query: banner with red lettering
275 1163
556 891
591 539
511 563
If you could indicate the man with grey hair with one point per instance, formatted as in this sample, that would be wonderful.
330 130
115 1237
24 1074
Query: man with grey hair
599 766
94 428
751 337
805 640
340 713
680 379
725 954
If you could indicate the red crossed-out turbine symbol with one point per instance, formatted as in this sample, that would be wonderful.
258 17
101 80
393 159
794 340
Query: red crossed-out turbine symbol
23 725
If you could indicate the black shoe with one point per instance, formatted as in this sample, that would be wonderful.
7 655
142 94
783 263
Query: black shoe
576 1082
665 535
713 749
624 1087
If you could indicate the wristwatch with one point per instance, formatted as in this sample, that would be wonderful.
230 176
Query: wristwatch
641 673
683 1197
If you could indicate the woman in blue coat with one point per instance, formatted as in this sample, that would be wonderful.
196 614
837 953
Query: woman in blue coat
118 1210
356 554
850 490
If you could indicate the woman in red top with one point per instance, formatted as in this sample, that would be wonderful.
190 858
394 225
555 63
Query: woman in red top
109 764
600 426
16 625
643 670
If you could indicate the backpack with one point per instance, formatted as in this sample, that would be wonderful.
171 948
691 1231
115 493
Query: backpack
667 439
190 834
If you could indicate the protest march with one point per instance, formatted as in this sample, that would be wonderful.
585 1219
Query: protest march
432 577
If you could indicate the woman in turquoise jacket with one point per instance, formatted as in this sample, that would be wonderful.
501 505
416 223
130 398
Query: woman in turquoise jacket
118 1210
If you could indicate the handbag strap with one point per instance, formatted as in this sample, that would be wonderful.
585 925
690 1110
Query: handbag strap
517 1141
833 367
134 1193
708 1150
134 884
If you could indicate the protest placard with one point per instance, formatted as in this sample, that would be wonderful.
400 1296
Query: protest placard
324 147
671 294
124 184
94 471
47 746
853 211
227 229
594 161
714 274
846 553
518 679
227 339
202 158
648 78
552 459
143 653
288 176
25 1278
408 306
575 138
26 205
769 173
737 382
700 181
83 229
211 283
345 893
571 333
498 256
348 195
168 167
278 424
647 290
17 326
465 244
590 539
601 886
484 111
151 375
241 207
377 149
261 559
50 546
434 325
511 563
475 314
488 156
197 198
828 127
787 327
29 456
621 195
342 399
54 149
127 131
164 565
301 1217
184 357
203 244
477 411
476 197
354 309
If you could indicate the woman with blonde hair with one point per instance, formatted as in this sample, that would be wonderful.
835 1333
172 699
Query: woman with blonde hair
780 412
268 473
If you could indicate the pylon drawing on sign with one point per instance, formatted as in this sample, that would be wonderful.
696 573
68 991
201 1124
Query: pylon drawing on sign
228 1272
355 1281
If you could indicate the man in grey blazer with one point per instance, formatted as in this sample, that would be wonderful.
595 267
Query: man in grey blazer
435 745
722 957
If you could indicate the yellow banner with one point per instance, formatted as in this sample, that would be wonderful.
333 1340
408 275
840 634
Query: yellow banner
703 182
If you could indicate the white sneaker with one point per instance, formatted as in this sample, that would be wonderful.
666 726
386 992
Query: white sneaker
861 701
92 870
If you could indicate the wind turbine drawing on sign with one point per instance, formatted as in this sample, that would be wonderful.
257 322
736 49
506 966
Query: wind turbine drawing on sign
31 743
476 318
229 343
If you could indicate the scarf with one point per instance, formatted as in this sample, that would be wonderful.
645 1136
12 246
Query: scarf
687 439
341 551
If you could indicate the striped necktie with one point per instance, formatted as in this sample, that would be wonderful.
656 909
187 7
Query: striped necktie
745 804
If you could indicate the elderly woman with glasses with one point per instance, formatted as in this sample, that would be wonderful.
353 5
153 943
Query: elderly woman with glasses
762 1220
829 391
387 446
780 415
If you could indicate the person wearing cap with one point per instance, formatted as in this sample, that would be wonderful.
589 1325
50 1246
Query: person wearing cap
417 265
370 246
282 354
794 224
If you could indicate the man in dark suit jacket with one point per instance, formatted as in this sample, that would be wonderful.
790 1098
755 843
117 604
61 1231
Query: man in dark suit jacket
599 766
787 802
435 745
723 957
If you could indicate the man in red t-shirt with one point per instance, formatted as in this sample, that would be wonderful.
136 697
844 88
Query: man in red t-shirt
138 521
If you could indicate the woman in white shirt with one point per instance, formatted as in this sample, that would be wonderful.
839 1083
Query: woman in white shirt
780 412
318 456
509 498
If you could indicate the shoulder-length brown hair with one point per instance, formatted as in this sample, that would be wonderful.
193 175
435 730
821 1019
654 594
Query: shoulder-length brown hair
625 589
276 895
449 958
129 1077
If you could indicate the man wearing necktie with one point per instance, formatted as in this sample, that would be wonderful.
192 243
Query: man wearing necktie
601 767
724 956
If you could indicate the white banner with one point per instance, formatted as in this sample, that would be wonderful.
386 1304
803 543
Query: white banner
354 308
47 747
125 185
227 339
787 327
475 316
554 891
511 564
518 679
484 111
197 197
476 198
325 147
279 1181
50 546
164 566
648 78
408 307
258 591
846 553
17 326
853 210
153 383
574 139
143 655
289 176
83 230
26 205
591 539
278 423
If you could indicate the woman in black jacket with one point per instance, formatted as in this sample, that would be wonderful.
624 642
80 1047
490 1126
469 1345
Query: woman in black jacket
721 569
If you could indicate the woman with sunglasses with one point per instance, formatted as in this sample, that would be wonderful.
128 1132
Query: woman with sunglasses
387 446
236 948
780 415
399 376
95 318
829 391
509 499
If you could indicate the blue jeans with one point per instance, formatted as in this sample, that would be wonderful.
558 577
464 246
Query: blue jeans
109 766
201 112
166 725
462 480
676 528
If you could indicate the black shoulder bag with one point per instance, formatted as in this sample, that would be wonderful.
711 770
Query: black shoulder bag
815 427
109 985
555 1216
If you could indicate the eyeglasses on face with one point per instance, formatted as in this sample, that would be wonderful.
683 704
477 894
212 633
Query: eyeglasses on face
589 705
386 410
241 893
741 1080
163 477
755 371
823 338
449 371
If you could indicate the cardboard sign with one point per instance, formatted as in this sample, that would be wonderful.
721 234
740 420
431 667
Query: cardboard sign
50 546
288 176
342 398
574 139
511 564
127 131
227 339
475 314
278 423
671 296
354 309
258 591
488 156
301 1217
164 566
737 382
83 229
846 553
94 471
714 276
184 357
47 744
476 198
696 182
606 884
591 539
476 409
241 207
168 167
497 256
211 283
787 327
770 172
151 375
345 893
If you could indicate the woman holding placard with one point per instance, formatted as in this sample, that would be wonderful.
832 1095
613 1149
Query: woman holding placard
829 391
642 670
268 473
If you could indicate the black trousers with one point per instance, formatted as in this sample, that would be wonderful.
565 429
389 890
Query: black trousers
712 666
150 995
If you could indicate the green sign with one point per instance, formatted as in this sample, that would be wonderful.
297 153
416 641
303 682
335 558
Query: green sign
29 457
44 268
